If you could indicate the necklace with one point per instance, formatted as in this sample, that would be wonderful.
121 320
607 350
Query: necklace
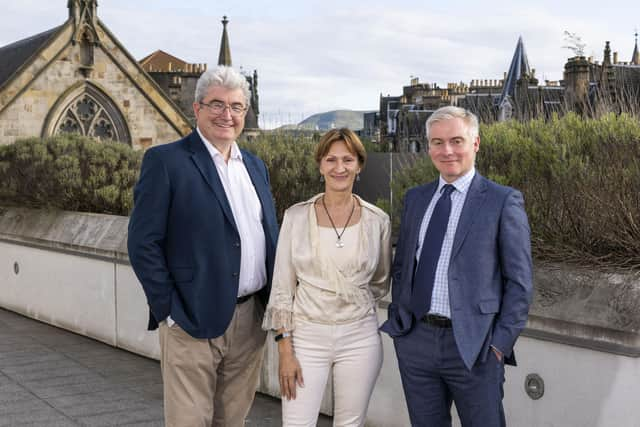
339 243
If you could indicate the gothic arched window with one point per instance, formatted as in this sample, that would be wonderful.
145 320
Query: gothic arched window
87 111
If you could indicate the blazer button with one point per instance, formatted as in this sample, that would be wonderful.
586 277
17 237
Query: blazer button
235 274
236 244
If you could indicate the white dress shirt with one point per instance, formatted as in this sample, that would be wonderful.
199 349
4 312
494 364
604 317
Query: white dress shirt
247 212
440 295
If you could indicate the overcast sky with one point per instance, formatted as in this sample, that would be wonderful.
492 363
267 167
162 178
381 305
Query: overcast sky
315 56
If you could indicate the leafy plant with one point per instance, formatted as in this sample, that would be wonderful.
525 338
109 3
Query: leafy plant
580 178
69 172
292 168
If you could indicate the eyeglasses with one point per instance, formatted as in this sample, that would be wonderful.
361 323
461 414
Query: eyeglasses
218 107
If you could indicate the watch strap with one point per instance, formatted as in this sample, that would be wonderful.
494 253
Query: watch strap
282 335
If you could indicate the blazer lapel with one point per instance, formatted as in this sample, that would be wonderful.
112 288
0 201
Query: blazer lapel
420 208
258 180
472 205
207 168
261 186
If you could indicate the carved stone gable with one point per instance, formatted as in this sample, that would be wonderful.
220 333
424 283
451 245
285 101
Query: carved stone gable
85 18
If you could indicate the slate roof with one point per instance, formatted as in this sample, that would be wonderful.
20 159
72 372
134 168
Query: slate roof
519 67
15 55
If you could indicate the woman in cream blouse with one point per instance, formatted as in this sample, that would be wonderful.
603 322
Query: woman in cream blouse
332 265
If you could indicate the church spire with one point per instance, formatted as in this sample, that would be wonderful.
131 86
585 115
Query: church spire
224 58
518 69
635 57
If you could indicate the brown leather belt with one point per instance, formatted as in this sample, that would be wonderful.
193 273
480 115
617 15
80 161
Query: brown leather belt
437 321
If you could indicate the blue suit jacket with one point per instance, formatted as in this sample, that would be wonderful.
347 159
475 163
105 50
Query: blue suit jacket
183 242
490 270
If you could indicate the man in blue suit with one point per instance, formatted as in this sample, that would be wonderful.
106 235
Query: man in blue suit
462 282
202 239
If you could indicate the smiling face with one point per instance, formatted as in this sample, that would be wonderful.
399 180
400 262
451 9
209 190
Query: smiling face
339 168
451 148
223 128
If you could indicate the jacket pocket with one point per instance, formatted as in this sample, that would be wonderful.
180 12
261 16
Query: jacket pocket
181 275
489 306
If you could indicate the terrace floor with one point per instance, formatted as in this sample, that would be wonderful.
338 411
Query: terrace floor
55 378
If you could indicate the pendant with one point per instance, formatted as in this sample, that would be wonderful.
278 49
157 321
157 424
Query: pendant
339 243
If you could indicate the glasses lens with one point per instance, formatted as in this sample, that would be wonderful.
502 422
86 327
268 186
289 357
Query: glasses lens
218 107
237 108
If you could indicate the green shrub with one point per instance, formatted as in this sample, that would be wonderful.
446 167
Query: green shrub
580 179
69 172
292 169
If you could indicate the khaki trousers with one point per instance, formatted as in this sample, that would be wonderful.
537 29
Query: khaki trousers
212 382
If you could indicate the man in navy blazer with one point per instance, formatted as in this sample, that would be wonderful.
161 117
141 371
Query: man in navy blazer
462 282
202 239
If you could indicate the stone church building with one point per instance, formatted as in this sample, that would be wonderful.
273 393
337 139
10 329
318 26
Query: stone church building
79 78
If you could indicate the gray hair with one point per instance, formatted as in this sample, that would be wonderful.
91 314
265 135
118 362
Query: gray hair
451 112
225 77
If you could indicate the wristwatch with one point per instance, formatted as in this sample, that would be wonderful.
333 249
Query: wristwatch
283 335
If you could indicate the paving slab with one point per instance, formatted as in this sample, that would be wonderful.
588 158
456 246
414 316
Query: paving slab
50 377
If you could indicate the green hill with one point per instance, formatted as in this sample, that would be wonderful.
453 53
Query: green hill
334 119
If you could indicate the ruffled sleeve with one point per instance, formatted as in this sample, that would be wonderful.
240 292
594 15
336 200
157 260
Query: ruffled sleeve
279 312
380 280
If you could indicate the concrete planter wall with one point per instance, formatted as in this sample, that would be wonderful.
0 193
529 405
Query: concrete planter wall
71 270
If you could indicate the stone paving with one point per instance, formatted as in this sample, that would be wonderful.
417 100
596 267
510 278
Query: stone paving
54 378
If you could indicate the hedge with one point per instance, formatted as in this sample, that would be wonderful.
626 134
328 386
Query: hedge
580 179
69 172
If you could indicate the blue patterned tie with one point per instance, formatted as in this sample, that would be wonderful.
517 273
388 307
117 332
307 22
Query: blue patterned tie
432 245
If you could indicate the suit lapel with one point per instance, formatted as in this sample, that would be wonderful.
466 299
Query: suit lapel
207 168
259 183
420 208
472 205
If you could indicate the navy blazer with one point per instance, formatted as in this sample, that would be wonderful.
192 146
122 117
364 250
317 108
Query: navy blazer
183 242
490 269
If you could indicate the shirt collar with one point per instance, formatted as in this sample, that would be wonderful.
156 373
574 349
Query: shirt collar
461 184
235 153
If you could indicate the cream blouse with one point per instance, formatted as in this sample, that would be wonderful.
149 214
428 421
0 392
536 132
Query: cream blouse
317 281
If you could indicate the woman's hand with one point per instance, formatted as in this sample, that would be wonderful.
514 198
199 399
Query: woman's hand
290 372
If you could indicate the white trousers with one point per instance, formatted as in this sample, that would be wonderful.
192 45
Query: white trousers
354 351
